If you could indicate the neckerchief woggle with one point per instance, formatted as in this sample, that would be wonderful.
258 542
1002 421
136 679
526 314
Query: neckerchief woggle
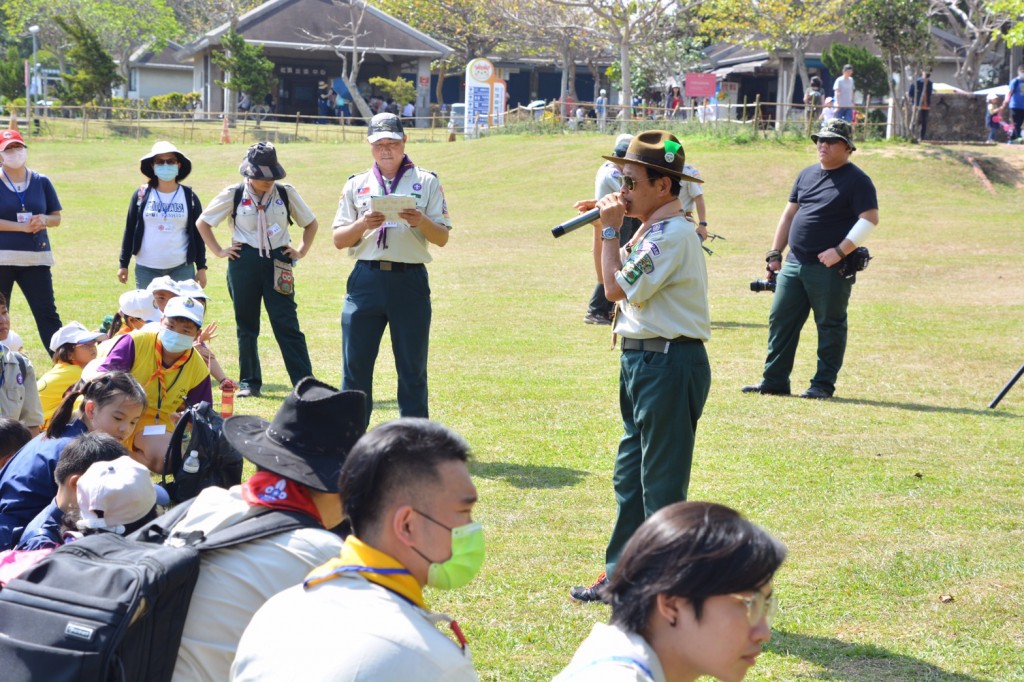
382 231
378 568
262 236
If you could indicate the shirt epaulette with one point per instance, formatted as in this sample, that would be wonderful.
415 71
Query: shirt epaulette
352 176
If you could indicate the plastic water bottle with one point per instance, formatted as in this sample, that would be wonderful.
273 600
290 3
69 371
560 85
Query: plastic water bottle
191 463
227 401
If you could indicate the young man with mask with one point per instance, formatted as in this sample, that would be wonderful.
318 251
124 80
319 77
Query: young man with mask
409 498
169 368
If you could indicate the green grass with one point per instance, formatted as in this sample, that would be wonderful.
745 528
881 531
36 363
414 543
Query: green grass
903 489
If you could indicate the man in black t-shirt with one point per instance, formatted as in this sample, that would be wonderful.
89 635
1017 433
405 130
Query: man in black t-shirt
832 208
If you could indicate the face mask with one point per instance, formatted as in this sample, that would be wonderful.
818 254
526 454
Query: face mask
15 158
173 342
166 172
466 560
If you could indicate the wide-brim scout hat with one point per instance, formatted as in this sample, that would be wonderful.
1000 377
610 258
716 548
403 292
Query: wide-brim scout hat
261 163
165 147
309 438
835 129
657 149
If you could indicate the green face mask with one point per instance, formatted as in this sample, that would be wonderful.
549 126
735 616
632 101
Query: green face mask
466 560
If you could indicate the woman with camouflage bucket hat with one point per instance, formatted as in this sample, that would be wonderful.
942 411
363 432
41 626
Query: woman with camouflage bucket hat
260 261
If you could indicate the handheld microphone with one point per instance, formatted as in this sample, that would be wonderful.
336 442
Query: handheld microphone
576 223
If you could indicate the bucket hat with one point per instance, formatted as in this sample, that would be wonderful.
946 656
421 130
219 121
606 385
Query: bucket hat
835 129
165 147
261 163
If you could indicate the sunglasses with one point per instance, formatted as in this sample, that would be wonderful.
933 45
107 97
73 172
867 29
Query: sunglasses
165 162
759 605
630 183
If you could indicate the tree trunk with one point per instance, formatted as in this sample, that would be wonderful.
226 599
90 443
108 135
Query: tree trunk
626 101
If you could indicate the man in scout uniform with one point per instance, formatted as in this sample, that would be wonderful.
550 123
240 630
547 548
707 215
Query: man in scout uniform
362 615
661 285
260 262
388 286
171 371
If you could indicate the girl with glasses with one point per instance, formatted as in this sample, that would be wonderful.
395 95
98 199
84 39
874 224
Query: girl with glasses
691 595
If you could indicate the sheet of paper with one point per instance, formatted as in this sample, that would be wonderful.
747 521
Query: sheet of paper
391 205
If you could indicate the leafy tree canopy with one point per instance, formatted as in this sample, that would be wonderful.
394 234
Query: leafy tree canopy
251 72
869 71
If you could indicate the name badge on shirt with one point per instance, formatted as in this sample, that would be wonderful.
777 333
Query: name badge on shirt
154 430
24 216
273 230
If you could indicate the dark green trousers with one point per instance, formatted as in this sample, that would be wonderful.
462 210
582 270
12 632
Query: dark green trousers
251 284
661 397
801 289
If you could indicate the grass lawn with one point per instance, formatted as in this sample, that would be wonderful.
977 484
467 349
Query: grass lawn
900 500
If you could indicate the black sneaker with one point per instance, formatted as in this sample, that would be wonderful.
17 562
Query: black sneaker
592 593
815 393
764 390
596 318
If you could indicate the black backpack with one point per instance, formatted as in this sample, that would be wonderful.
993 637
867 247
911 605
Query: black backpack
109 608
200 430
281 192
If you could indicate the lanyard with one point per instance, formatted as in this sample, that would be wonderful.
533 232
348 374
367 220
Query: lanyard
14 188
382 231
164 209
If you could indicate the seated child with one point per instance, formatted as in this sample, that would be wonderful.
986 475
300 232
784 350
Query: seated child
13 436
19 396
171 371
73 348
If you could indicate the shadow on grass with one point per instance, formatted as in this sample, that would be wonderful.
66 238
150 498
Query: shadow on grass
927 408
528 476
717 324
853 662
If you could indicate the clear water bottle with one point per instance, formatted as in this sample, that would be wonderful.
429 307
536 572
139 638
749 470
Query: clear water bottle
191 463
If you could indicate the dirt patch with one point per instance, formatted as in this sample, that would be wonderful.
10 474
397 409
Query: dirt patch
1002 164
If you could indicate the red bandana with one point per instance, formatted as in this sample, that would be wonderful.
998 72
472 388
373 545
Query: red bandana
266 489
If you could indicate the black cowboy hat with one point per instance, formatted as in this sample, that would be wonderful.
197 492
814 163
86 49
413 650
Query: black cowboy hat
309 438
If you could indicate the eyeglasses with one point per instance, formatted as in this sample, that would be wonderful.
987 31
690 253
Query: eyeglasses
630 182
759 605
829 141
165 162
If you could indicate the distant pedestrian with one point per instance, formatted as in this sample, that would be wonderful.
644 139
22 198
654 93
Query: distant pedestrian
1015 101
843 90
921 94
814 99
993 120
601 106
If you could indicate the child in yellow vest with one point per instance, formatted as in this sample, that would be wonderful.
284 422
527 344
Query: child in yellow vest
169 368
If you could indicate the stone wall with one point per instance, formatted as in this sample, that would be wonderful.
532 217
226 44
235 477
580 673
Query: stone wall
959 118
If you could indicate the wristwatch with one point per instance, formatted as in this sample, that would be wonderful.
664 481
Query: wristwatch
609 233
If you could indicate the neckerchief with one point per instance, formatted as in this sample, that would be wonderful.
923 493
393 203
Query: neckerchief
372 564
382 231
267 489
161 373
261 218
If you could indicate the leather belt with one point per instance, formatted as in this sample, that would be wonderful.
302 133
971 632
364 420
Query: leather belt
655 345
390 266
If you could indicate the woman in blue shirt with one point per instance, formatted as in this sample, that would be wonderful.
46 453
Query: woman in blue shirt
28 206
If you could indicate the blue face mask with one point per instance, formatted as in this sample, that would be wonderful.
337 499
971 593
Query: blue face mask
173 342
166 172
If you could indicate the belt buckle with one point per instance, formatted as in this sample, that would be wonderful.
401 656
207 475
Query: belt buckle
385 265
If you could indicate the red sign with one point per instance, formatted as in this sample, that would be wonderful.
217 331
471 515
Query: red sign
425 81
700 84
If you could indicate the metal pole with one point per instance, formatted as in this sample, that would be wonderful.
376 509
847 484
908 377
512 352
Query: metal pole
1007 387
34 30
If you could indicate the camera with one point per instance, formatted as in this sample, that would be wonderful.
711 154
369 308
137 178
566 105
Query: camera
764 284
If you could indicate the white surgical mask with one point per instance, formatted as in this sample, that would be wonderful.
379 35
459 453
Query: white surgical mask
14 158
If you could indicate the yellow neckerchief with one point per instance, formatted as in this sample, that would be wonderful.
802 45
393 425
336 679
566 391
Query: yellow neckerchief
381 569
162 371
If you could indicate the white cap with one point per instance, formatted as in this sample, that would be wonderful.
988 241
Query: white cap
139 303
182 306
114 494
190 287
603 91
163 283
73 332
